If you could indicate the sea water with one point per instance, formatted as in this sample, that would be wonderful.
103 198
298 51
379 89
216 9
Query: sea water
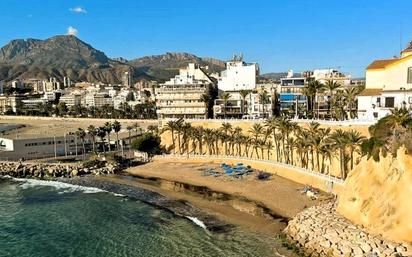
54 219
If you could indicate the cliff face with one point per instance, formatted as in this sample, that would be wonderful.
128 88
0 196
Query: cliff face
378 195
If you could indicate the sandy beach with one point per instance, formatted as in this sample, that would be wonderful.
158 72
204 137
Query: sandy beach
281 196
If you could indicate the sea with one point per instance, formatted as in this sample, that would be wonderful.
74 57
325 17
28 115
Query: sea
54 219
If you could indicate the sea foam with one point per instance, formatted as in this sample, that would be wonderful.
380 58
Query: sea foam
197 222
65 187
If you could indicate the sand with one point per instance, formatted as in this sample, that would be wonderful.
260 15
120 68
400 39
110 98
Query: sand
49 126
280 195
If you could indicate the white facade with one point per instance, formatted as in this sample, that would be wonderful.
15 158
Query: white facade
378 105
238 76
388 86
71 100
324 75
180 97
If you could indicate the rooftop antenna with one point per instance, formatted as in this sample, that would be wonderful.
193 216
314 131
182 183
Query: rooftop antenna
400 36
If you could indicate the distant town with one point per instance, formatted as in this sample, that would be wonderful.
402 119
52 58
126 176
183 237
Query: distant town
237 92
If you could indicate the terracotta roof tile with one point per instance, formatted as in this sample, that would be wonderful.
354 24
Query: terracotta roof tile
370 92
380 64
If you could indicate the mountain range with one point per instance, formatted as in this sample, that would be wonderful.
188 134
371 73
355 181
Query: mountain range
61 56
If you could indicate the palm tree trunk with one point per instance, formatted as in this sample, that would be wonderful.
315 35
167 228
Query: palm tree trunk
108 137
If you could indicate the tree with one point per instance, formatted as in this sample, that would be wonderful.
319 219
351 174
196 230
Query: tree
148 143
243 94
61 108
226 129
92 131
82 134
263 100
108 128
339 138
256 132
225 97
209 99
311 90
101 132
116 128
354 142
331 86
171 126
129 130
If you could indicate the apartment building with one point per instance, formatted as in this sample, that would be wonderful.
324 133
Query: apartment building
71 100
181 96
238 75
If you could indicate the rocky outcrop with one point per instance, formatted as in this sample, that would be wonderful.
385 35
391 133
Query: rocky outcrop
42 170
321 231
377 195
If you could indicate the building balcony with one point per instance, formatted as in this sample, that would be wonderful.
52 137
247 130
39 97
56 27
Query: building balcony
175 105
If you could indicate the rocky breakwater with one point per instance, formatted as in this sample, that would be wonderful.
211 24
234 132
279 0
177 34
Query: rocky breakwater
43 170
321 231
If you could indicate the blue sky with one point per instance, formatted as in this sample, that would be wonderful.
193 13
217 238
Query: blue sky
279 35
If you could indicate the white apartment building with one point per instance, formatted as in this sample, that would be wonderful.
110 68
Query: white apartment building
324 75
71 100
180 97
98 100
238 75
388 86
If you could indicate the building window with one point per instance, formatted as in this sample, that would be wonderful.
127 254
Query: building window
410 75
378 102
389 102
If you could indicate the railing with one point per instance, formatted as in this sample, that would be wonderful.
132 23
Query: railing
354 122
325 177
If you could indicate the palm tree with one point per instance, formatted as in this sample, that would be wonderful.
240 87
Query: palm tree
226 129
92 131
178 127
256 132
340 140
243 94
116 128
331 86
311 90
82 134
108 127
206 99
354 140
263 100
225 97
129 129
171 126
350 96
101 132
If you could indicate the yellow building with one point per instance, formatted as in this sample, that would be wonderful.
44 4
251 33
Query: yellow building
391 74
388 86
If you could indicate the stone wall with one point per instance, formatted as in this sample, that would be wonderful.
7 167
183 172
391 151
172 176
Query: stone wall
42 170
321 231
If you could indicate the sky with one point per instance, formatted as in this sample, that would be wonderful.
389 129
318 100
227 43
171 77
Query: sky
277 34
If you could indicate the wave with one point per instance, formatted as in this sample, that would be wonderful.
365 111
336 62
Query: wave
197 222
65 187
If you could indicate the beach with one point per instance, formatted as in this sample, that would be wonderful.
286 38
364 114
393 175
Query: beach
260 205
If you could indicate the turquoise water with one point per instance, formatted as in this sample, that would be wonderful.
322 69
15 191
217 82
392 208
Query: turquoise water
41 219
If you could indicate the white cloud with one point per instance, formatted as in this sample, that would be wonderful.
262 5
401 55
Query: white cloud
78 9
72 31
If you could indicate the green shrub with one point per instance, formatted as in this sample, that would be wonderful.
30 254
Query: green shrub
148 143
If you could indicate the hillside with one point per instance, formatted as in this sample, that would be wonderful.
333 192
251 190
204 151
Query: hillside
61 56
